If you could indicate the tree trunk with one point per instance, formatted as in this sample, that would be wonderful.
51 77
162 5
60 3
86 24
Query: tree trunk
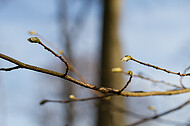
111 54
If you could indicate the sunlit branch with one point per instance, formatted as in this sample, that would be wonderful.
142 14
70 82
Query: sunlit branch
90 86
159 115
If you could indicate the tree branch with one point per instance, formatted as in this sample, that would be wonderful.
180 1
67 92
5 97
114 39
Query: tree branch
90 86
127 58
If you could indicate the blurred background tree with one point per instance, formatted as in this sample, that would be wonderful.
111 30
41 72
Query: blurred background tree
111 51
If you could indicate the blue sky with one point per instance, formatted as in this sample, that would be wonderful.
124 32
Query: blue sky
152 31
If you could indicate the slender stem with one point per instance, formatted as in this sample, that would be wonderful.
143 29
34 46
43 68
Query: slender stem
158 68
162 114
129 81
9 69
75 100
56 55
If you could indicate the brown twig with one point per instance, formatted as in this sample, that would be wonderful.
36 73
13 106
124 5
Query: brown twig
116 108
182 85
9 69
72 67
159 115
159 68
90 86
36 40
130 73
75 99
127 58
119 70
157 81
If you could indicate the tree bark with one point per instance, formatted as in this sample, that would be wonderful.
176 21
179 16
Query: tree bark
111 54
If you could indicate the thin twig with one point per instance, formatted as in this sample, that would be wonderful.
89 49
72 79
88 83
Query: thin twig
75 99
36 40
182 85
158 68
72 67
149 79
157 81
129 81
9 69
60 57
116 108
162 114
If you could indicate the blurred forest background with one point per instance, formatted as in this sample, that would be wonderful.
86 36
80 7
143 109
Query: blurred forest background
94 35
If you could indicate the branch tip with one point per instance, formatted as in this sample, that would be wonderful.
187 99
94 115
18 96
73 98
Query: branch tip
34 40
72 97
126 58
32 32
43 102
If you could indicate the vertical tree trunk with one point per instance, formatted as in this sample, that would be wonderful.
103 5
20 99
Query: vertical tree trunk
111 54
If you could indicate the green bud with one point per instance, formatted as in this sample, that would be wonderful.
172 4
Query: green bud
34 40
116 69
130 73
126 58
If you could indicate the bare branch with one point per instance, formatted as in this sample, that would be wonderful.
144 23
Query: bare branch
90 86
162 114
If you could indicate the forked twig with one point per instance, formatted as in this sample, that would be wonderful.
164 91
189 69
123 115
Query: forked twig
36 40
72 67
159 115
157 81
127 58
119 70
